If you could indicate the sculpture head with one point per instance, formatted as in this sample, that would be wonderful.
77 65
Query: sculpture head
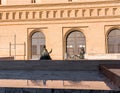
44 46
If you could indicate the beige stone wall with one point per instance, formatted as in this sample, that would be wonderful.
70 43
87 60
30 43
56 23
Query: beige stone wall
19 2
12 39
54 1
65 1
13 2
55 21
55 33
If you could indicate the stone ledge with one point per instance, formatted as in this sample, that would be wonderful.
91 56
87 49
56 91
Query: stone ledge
112 72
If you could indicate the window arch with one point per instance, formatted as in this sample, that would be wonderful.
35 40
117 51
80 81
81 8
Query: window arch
75 40
114 41
37 43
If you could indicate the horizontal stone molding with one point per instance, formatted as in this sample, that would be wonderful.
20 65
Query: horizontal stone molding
58 13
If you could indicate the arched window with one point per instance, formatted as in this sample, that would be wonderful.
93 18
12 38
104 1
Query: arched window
75 40
114 41
38 41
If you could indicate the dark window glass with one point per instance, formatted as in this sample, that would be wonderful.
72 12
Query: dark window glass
38 41
113 41
34 50
74 41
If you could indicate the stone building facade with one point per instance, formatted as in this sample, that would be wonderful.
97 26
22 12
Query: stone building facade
65 26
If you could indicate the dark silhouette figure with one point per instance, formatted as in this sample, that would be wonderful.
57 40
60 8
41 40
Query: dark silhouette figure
82 53
45 54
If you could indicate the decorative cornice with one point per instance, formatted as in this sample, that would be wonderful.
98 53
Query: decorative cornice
56 12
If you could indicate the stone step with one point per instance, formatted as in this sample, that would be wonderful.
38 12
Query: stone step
112 72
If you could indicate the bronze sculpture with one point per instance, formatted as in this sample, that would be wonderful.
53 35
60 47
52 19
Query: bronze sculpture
45 55
82 53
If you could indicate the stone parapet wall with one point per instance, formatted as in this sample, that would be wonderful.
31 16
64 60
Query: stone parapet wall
57 74
112 72
56 65
35 90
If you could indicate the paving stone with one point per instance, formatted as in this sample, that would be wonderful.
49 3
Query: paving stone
59 91
2 90
37 90
13 90
29 90
77 91
44 91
